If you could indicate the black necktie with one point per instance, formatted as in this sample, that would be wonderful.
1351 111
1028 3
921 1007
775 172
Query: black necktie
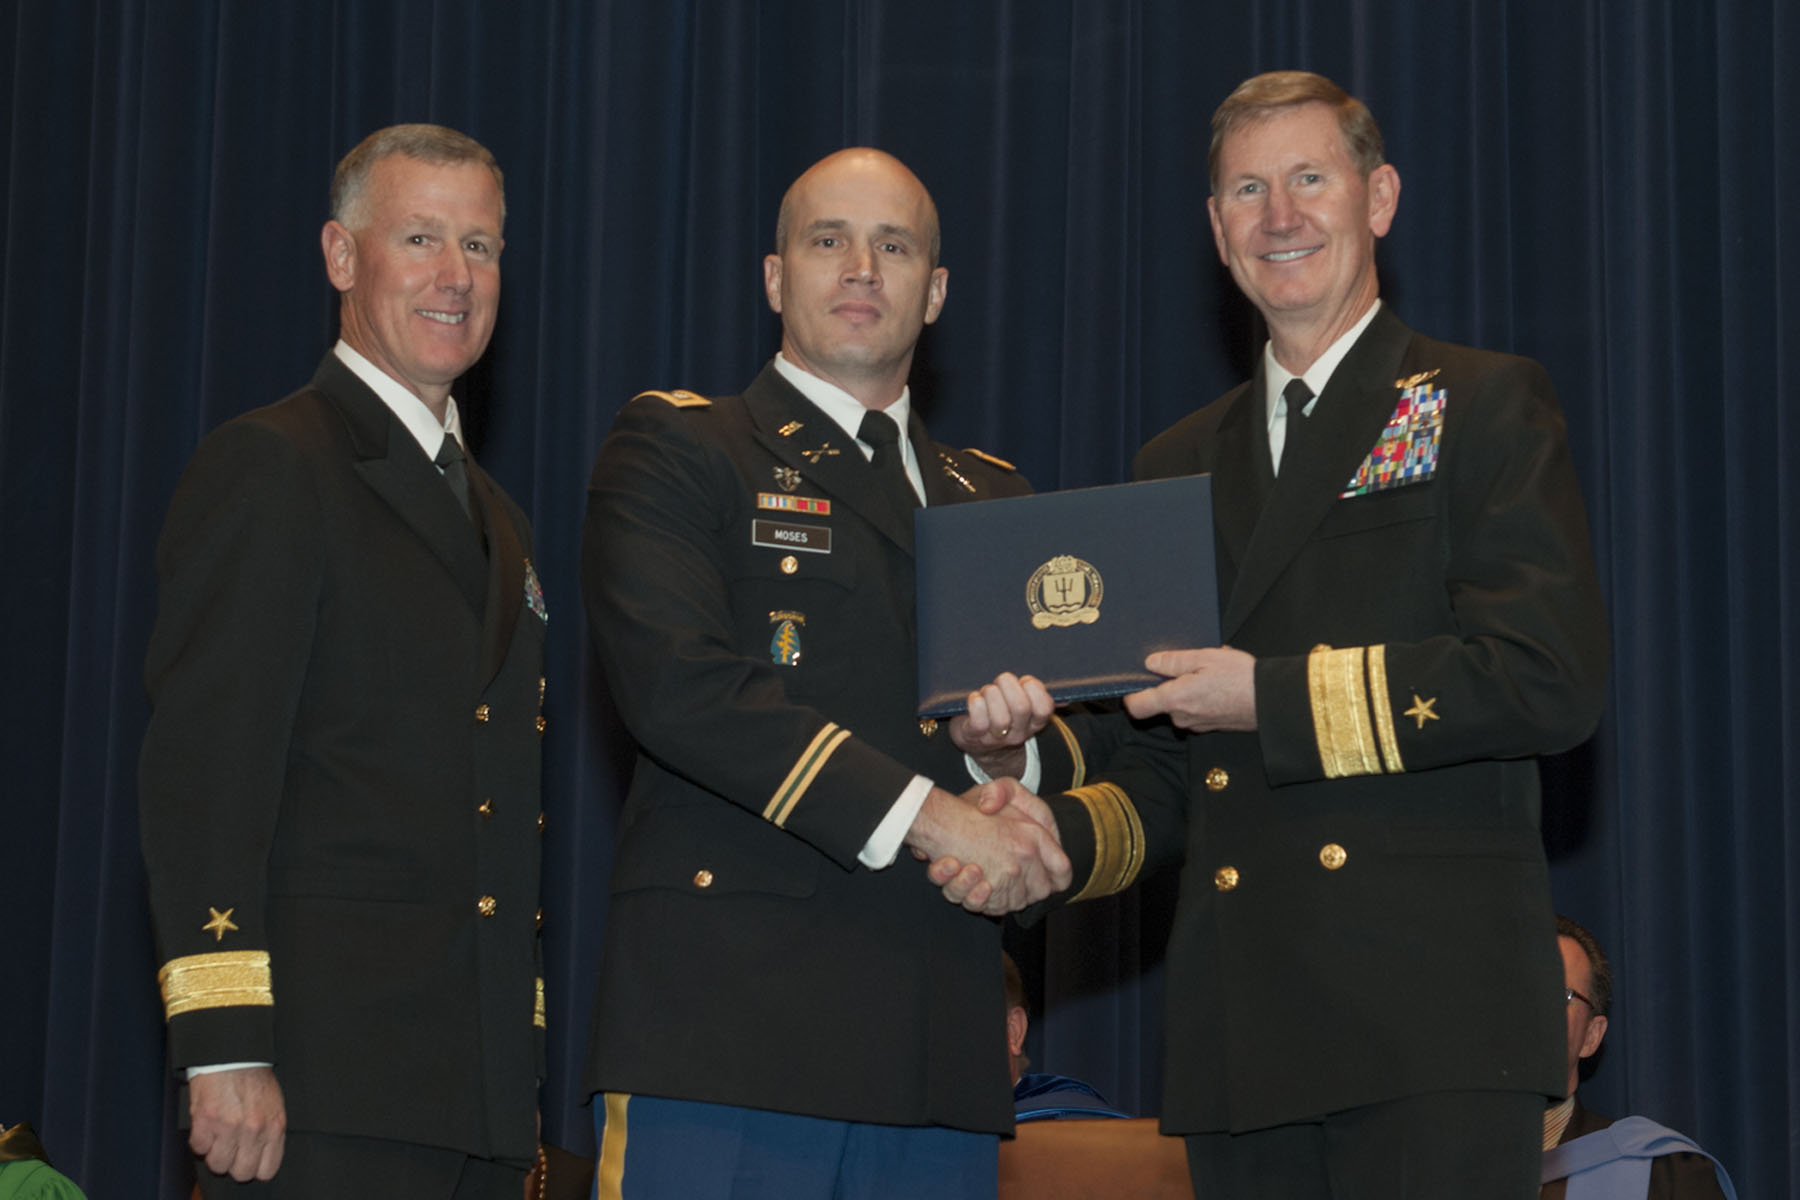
455 465
1296 394
879 431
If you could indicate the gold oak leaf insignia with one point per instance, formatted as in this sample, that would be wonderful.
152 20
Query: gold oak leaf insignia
220 923
1421 710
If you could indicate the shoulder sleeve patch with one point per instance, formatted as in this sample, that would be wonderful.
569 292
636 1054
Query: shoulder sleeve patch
985 457
680 398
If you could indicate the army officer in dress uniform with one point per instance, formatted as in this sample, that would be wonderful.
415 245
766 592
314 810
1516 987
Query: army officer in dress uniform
784 1010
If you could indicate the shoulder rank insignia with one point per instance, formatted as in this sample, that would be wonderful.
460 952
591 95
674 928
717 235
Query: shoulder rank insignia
985 457
1407 449
680 398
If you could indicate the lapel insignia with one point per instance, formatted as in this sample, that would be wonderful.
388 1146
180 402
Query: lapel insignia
791 428
534 595
825 451
1421 711
787 478
220 924
805 504
958 476
1413 381
784 646
1407 450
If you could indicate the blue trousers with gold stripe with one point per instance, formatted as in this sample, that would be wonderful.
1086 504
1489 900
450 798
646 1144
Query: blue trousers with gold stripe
656 1149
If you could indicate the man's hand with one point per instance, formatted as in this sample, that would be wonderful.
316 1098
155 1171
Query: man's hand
239 1122
1212 689
1002 717
993 849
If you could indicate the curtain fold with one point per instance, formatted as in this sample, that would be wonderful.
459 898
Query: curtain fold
1601 186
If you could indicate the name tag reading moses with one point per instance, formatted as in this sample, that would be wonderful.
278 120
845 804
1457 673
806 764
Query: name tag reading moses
1075 587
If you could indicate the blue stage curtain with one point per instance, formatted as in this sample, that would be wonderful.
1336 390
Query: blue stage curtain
1601 185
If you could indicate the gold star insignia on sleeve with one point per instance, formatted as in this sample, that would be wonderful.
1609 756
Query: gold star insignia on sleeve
1421 710
220 923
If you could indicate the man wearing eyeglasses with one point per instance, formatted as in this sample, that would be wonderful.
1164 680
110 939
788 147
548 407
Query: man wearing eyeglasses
1633 1157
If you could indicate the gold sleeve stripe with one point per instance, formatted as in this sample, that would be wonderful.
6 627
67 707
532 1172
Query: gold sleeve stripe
1340 708
1383 708
537 1009
806 769
1118 840
609 1175
1078 764
228 979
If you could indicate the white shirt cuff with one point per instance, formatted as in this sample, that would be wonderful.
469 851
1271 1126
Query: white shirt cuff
884 844
217 1067
1030 777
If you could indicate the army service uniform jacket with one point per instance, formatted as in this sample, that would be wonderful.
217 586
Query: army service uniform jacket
750 594
1364 910
339 782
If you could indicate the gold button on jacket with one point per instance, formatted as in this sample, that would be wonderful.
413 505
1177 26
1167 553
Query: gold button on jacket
487 906
1225 878
1218 779
703 878
481 713
1332 856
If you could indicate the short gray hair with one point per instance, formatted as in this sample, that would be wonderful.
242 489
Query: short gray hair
435 144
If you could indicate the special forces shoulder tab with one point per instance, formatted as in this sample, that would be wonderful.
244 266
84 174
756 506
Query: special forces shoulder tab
680 398
985 457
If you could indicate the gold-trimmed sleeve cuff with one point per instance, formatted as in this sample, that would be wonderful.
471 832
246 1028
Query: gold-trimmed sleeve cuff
1351 722
806 768
1118 840
227 979
537 1008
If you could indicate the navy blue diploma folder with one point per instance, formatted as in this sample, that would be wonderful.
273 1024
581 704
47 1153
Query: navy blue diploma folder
1074 587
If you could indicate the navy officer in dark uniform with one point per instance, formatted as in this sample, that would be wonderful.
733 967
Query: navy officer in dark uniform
1362 1001
339 782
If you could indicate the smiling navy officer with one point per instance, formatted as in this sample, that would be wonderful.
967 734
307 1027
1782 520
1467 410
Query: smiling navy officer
1411 614
783 1010
339 781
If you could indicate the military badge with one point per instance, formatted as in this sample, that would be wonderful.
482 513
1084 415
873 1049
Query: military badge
791 428
1064 591
826 451
220 924
803 504
784 646
950 470
787 478
1407 450
534 593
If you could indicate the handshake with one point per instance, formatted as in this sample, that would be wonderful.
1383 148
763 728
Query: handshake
994 849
